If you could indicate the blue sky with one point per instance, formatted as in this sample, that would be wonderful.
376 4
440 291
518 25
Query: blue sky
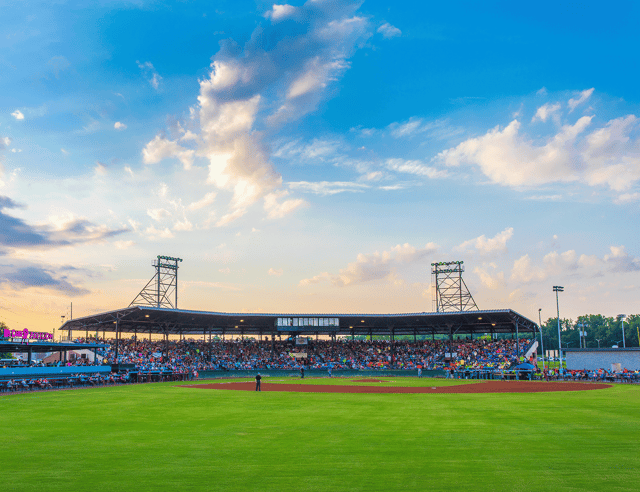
318 156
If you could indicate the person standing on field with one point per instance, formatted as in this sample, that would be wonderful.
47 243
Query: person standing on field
258 378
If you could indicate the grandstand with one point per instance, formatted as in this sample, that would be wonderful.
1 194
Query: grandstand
456 335
155 311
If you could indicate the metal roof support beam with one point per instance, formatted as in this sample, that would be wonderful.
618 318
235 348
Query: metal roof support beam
517 342
117 344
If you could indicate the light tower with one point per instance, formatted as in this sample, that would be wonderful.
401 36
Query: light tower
162 289
451 293
622 317
556 289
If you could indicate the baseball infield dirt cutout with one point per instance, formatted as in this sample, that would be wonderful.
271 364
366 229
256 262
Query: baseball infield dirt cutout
484 387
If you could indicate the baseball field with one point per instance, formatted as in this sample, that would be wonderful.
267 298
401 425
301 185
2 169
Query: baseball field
171 436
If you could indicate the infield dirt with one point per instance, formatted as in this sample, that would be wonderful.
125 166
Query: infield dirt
484 387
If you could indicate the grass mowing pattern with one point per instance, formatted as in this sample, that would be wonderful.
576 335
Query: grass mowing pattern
163 437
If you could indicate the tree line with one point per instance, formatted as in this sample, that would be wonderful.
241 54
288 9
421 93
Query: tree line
602 331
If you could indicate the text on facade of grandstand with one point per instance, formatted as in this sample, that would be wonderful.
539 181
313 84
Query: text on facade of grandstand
33 335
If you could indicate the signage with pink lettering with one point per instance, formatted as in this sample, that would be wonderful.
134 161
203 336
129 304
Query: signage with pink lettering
26 334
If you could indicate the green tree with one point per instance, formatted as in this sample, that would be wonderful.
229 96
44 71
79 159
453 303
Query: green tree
3 326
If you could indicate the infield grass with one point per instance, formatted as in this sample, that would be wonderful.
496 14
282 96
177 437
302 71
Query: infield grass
165 437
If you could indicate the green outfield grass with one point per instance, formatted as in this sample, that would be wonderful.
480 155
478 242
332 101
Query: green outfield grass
165 437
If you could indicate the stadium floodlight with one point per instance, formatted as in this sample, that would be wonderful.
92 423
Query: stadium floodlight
622 317
556 289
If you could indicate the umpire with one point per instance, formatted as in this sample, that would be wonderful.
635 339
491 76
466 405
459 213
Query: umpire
258 378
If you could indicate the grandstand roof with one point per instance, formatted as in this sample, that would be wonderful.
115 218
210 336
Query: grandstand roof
179 321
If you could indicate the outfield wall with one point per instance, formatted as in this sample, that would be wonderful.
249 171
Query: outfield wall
603 358
316 373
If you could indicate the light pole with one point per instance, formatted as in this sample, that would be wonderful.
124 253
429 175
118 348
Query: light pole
622 317
583 334
556 289
62 317
541 341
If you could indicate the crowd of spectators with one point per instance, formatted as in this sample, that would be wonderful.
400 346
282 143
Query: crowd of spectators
190 356
248 354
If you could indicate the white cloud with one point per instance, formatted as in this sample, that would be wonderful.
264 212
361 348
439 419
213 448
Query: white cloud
153 77
280 12
544 198
208 199
183 225
627 198
315 280
276 273
607 156
100 169
316 77
17 114
135 225
620 261
4 143
119 126
511 159
524 271
324 188
277 210
161 148
414 167
153 233
155 81
569 263
487 246
436 129
545 111
279 76
584 95
158 214
230 217
378 266
123 244
490 279
407 129
389 31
